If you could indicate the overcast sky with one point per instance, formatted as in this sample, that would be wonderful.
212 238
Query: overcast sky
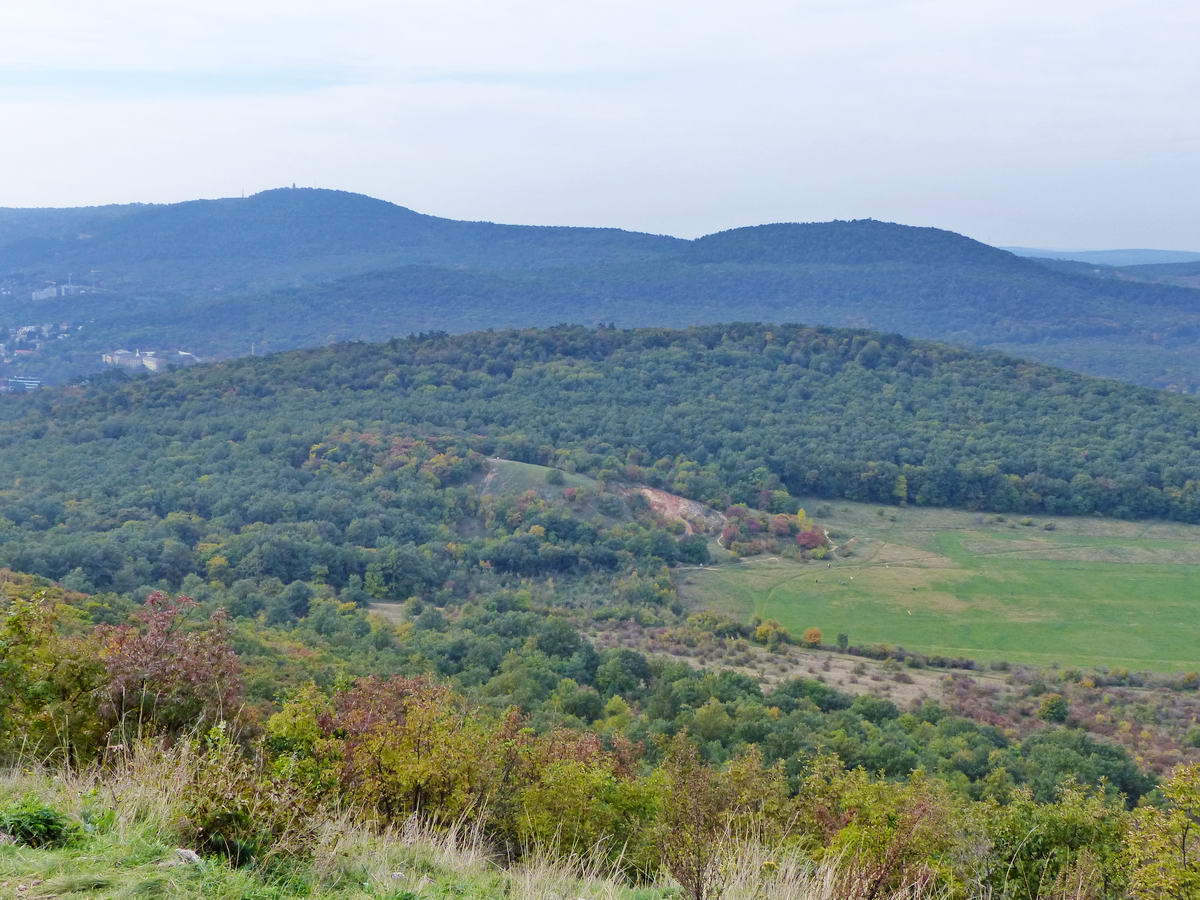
1055 123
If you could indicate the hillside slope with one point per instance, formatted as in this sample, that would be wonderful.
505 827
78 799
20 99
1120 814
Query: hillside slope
490 492
281 236
721 414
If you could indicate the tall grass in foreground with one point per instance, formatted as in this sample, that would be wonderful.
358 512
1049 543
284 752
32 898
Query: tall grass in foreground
132 819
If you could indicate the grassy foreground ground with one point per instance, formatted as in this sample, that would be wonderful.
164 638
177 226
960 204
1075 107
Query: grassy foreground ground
124 843
1082 592
125 847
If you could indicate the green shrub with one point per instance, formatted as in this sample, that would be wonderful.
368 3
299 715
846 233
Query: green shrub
233 807
1054 708
35 824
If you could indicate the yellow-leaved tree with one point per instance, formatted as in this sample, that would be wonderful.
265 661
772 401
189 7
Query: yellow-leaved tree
1163 845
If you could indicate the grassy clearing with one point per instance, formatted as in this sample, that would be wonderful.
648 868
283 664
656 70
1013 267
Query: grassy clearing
1090 592
507 476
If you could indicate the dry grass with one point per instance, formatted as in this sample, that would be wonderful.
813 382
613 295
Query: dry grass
133 853
850 674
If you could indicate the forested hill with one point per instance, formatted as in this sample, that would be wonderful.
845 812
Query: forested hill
294 268
864 242
732 413
282 236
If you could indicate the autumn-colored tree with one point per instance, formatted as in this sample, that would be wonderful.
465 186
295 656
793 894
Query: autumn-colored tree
771 633
618 755
810 540
409 745
694 833
812 637
781 525
171 675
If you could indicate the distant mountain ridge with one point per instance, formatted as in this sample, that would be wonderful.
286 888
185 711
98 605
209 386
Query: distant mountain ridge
292 267
1131 257
278 236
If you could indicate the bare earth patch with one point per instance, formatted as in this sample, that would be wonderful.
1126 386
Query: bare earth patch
393 612
696 517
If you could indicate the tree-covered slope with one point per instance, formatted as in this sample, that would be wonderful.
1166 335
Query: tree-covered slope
366 575
848 243
282 236
721 413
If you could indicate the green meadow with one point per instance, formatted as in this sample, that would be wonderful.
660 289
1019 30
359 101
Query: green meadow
507 476
1089 592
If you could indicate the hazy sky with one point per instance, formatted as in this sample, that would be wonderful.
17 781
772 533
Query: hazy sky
1059 123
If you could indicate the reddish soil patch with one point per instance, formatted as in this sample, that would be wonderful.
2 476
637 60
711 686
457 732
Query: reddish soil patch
696 517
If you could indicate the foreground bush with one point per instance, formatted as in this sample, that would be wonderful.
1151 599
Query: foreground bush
35 824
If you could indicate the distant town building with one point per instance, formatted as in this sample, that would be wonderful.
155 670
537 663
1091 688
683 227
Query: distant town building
70 289
154 360
23 383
